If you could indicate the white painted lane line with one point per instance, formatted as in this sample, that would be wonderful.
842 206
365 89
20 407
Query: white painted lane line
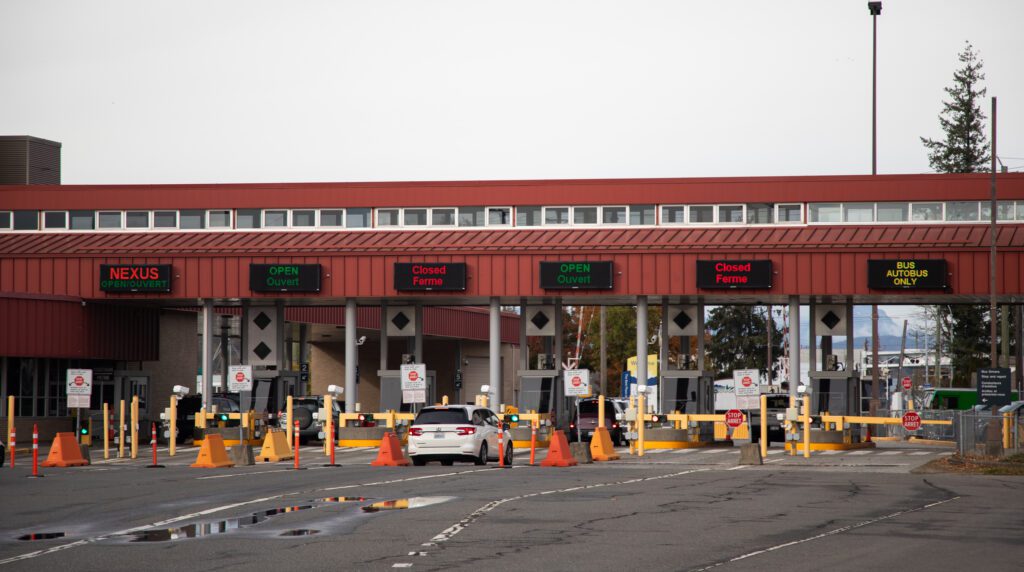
655 450
831 452
682 451
402 565
921 453
891 453
713 451
860 453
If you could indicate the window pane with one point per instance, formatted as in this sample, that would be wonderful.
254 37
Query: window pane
1004 210
304 218
527 216
220 219
825 212
332 217
109 220
387 217
730 214
962 210
442 217
498 216
55 219
702 214
471 216
190 219
1020 211
613 215
275 219
760 213
584 215
26 220
556 215
248 218
357 218
641 214
789 213
82 220
673 215
136 219
415 217
926 211
859 212
165 219
5 219
892 212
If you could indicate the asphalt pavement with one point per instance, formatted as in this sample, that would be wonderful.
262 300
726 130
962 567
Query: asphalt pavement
669 510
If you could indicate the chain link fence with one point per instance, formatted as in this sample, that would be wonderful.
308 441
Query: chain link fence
988 434
933 432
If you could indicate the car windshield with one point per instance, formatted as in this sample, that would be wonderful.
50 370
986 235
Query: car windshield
589 408
441 417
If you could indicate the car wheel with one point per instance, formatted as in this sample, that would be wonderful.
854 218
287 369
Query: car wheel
418 461
508 455
447 462
482 458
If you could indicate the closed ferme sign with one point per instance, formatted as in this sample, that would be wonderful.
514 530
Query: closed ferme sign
906 274
135 277
734 274
584 274
413 276
284 277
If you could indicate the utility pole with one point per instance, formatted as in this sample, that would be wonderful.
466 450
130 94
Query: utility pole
875 9
992 311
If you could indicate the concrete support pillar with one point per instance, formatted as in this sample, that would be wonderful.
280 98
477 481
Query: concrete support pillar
641 341
663 338
849 337
497 396
383 336
812 344
524 351
417 342
207 327
794 346
562 411
701 352
351 356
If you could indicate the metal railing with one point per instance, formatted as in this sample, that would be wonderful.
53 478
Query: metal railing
988 434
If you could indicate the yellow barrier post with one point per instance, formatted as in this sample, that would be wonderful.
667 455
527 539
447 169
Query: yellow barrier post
1007 439
120 442
641 419
106 431
291 419
807 427
172 440
764 426
135 426
600 411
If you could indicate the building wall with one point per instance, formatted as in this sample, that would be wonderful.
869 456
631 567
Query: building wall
176 364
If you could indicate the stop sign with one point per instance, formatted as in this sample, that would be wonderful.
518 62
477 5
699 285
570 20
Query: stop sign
906 383
911 421
413 376
239 377
734 418
79 380
576 381
746 381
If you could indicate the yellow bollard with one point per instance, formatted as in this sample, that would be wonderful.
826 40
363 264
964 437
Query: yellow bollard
444 400
642 422
600 411
291 419
764 426
1007 434
172 441
106 431
120 442
807 427
135 426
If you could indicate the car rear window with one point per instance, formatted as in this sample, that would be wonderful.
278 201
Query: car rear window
589 407
441 417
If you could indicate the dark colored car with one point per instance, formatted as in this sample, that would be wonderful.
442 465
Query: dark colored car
303 409
777 404
188 406
587 422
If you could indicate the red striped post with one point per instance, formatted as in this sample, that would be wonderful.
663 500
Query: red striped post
35 451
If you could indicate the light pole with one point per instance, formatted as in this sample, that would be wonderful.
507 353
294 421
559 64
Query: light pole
875 8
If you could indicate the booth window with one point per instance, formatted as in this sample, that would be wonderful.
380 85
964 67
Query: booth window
332 217
82 220
730 214
415 217
641 214
702 214
275 218
556 215
26 220
55 219
859 212
5 219
892 212
760 213
528 216
925 211
1004 210
471 216
825 212
357 218
248 218
673 215
962 210
305 217
442 217
192 219
109 219
584 215
613 215
136 219
387 217
790 213
499 216
218 219
165 219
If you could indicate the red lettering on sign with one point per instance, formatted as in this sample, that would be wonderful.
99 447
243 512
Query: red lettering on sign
747 381
79 380
734 418
576 381
239 377
413 376
911 421
441 269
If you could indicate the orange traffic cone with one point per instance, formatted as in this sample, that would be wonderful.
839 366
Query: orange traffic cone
212 455
559 454
65 452
275 448
601 448
390 454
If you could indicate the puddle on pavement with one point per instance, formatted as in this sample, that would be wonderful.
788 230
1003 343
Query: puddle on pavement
211 528
400 504
299 532
343 499
41 536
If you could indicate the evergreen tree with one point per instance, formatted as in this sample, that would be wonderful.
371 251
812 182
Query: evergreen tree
965 149
968 345
740 339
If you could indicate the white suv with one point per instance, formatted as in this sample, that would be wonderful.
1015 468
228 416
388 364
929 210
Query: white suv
450 433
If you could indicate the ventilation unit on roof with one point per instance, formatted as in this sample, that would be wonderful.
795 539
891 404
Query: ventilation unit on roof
26 160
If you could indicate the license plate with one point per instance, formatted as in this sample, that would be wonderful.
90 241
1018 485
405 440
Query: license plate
438 435
590 433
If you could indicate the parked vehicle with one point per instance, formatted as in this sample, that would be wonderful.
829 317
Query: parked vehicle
449 433
584 427
303 409
777 404
188 406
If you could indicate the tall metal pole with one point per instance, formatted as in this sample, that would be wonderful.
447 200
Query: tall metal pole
874 8
604 352
992 249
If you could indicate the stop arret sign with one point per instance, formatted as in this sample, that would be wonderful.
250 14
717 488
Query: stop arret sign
746 381
239 377
906 383
576 381
911 421
413 376
734 418
79 380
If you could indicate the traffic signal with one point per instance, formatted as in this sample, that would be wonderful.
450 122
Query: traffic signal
512 418
84 430
223 416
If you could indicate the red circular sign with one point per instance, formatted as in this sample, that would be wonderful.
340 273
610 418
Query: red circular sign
746 381
734 418
907 383
239 377
413 376
576 381
79 380
911 421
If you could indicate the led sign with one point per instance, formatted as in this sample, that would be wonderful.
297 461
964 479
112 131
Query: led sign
135 278
284 277
427 276
906 274
734 274
576 275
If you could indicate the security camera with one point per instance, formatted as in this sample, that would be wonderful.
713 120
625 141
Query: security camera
361 340
180 390
335 390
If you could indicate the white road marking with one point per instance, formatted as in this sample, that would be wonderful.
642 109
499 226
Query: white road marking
825 534
402 565
831 452
921 453
860 453
682 451
713 451
891 453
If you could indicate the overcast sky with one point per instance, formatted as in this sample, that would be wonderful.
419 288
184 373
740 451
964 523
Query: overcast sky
254 91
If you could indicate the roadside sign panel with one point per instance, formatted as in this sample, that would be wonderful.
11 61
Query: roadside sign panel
577 382
734 418
911 421
79 384
994 386
414 376
907 383
239 378
746 384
